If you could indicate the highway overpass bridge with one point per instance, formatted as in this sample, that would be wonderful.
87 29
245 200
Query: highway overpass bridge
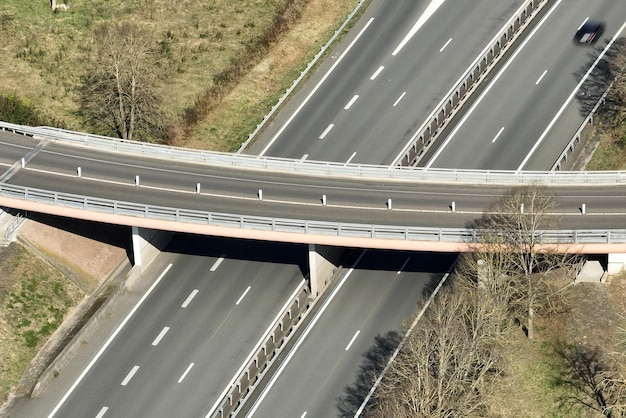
121 182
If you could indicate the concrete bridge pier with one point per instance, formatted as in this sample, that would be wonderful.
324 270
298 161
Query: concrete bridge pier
323 262
616 263
147 243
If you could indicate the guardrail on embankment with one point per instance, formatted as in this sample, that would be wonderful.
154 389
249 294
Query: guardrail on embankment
571 148
467 84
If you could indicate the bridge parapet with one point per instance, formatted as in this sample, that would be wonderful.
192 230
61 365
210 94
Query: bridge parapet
317 168
341 234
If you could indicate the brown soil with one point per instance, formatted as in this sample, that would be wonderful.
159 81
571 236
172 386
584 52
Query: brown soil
87 253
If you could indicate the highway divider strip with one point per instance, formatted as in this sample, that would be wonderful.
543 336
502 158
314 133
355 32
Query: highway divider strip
426 136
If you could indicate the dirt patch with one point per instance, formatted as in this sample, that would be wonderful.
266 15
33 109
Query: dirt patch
85 252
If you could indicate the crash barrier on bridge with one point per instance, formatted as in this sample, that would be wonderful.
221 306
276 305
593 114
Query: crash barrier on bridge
573 145
263 356
486 61
314 168
291 226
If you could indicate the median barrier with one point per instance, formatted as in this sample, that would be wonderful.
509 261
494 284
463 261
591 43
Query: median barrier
426 135
247 380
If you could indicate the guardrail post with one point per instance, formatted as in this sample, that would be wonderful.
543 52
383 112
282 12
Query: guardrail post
79 172
324 199
260 194
137 180
389 204
198 188
583 208
453 206
23 161
521 208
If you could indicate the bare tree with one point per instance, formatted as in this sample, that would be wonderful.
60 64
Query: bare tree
445 366
513 225
120 93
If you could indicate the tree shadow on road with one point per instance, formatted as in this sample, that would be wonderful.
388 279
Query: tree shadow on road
600 78
374 361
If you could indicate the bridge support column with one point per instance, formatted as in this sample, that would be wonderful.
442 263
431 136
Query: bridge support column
323 262
617 263
147 243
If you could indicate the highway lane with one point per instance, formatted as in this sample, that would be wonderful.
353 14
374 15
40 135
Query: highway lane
204 316
519 104
370 105
189 375
383 291
227 190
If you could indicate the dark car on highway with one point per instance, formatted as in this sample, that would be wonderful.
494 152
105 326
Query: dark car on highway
589 32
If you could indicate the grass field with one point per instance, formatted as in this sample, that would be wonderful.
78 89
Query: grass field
34 299
45 54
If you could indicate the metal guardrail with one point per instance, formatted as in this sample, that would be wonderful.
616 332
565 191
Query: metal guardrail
486 61
577 138
295 226
264 356
316 168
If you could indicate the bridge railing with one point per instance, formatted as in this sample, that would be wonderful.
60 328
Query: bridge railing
283 225
316 168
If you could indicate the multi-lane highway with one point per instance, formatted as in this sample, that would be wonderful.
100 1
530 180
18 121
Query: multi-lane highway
365 114
510 124
230 190
380 85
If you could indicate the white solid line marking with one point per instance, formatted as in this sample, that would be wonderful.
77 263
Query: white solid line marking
108 342
326 131
351 102
351 157
399 98
403 265
373 77
304 157
540 77
445 45
216 264
317 86
159 337
102 412
571 97
352 340
242 296
189 298
430 10
185 374
298 343
497 135
303 415
130 375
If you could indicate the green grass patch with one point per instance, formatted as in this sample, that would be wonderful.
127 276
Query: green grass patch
34 299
